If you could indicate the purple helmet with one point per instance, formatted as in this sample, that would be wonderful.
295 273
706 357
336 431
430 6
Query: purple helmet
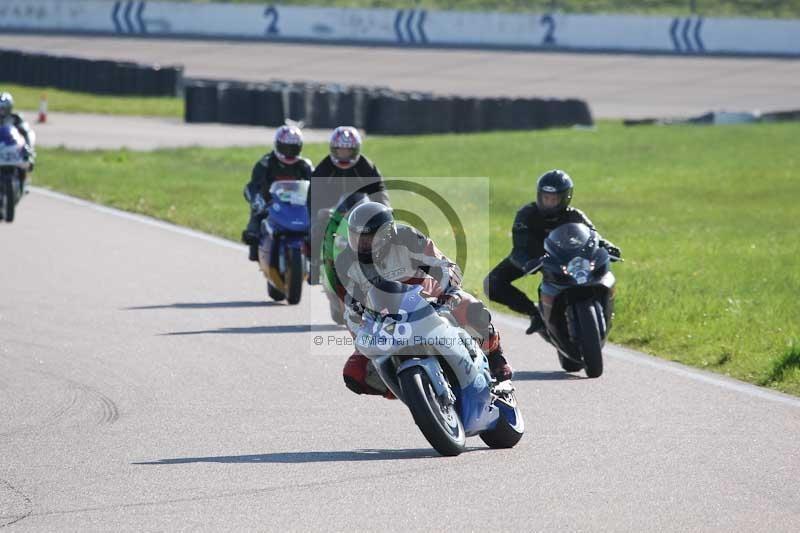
345 146
288 144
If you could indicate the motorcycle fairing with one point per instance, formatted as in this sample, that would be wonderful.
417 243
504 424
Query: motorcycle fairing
472 386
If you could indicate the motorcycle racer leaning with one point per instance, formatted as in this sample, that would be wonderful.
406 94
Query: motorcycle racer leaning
378 250
532 224
9 118
282 163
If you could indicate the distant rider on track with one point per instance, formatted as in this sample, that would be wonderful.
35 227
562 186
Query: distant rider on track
282 163
9 118
343 171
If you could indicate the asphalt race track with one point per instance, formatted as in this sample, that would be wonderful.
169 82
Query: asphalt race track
616 86
82 131
145 385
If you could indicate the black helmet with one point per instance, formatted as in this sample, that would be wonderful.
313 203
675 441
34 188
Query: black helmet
370 230
553 193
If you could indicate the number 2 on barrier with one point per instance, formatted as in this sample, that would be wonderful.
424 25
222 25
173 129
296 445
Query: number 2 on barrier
271 14
550 34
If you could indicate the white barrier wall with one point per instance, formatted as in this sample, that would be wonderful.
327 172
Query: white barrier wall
408 27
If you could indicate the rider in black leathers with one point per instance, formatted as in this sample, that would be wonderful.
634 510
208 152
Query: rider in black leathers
532 224
343 171
282 163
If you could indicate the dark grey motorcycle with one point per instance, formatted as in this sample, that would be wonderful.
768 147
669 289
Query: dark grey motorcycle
576 296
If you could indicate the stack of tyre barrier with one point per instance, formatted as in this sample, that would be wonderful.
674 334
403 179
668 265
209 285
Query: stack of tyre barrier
374 109
89 75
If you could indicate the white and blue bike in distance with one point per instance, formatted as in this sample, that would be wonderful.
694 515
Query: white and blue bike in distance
15 160
437 369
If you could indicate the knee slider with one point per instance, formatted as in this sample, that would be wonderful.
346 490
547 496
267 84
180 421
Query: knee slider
479 317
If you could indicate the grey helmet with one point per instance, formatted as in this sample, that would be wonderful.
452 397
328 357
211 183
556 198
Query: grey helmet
6 105
371 229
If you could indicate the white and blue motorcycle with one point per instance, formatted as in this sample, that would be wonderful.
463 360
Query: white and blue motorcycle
15 161
437 369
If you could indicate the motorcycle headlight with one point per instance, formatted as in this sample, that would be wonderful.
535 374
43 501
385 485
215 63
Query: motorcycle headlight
579 268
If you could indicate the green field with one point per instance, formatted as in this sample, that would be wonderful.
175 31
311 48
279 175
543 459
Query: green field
752 8
706 218
27 97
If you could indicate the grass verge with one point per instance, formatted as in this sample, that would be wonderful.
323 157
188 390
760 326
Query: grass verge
706 218
781 8
27 97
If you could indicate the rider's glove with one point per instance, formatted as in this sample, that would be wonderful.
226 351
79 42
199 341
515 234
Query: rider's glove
258 205
611 249
357 307
451 273
354 315
451 297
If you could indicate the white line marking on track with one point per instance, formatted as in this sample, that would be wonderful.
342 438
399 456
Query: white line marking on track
632 356
143 219
618 352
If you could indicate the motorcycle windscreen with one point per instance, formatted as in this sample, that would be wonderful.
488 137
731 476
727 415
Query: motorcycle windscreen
570 239
293 192
400 301
11 148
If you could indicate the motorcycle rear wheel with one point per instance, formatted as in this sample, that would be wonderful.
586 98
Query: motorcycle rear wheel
440 424
504 434
567 365
589 339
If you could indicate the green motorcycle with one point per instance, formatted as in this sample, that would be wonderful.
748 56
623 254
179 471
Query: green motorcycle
334 242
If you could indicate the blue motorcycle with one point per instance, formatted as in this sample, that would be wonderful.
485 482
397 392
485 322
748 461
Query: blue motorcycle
437 369
283 249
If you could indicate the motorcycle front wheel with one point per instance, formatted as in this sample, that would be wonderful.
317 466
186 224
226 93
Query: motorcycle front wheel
294 275
589 340
8 193
439 423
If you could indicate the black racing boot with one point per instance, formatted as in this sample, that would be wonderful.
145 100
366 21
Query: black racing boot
499 367
537 324
250 238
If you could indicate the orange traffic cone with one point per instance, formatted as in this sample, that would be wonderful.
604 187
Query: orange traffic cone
43 109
